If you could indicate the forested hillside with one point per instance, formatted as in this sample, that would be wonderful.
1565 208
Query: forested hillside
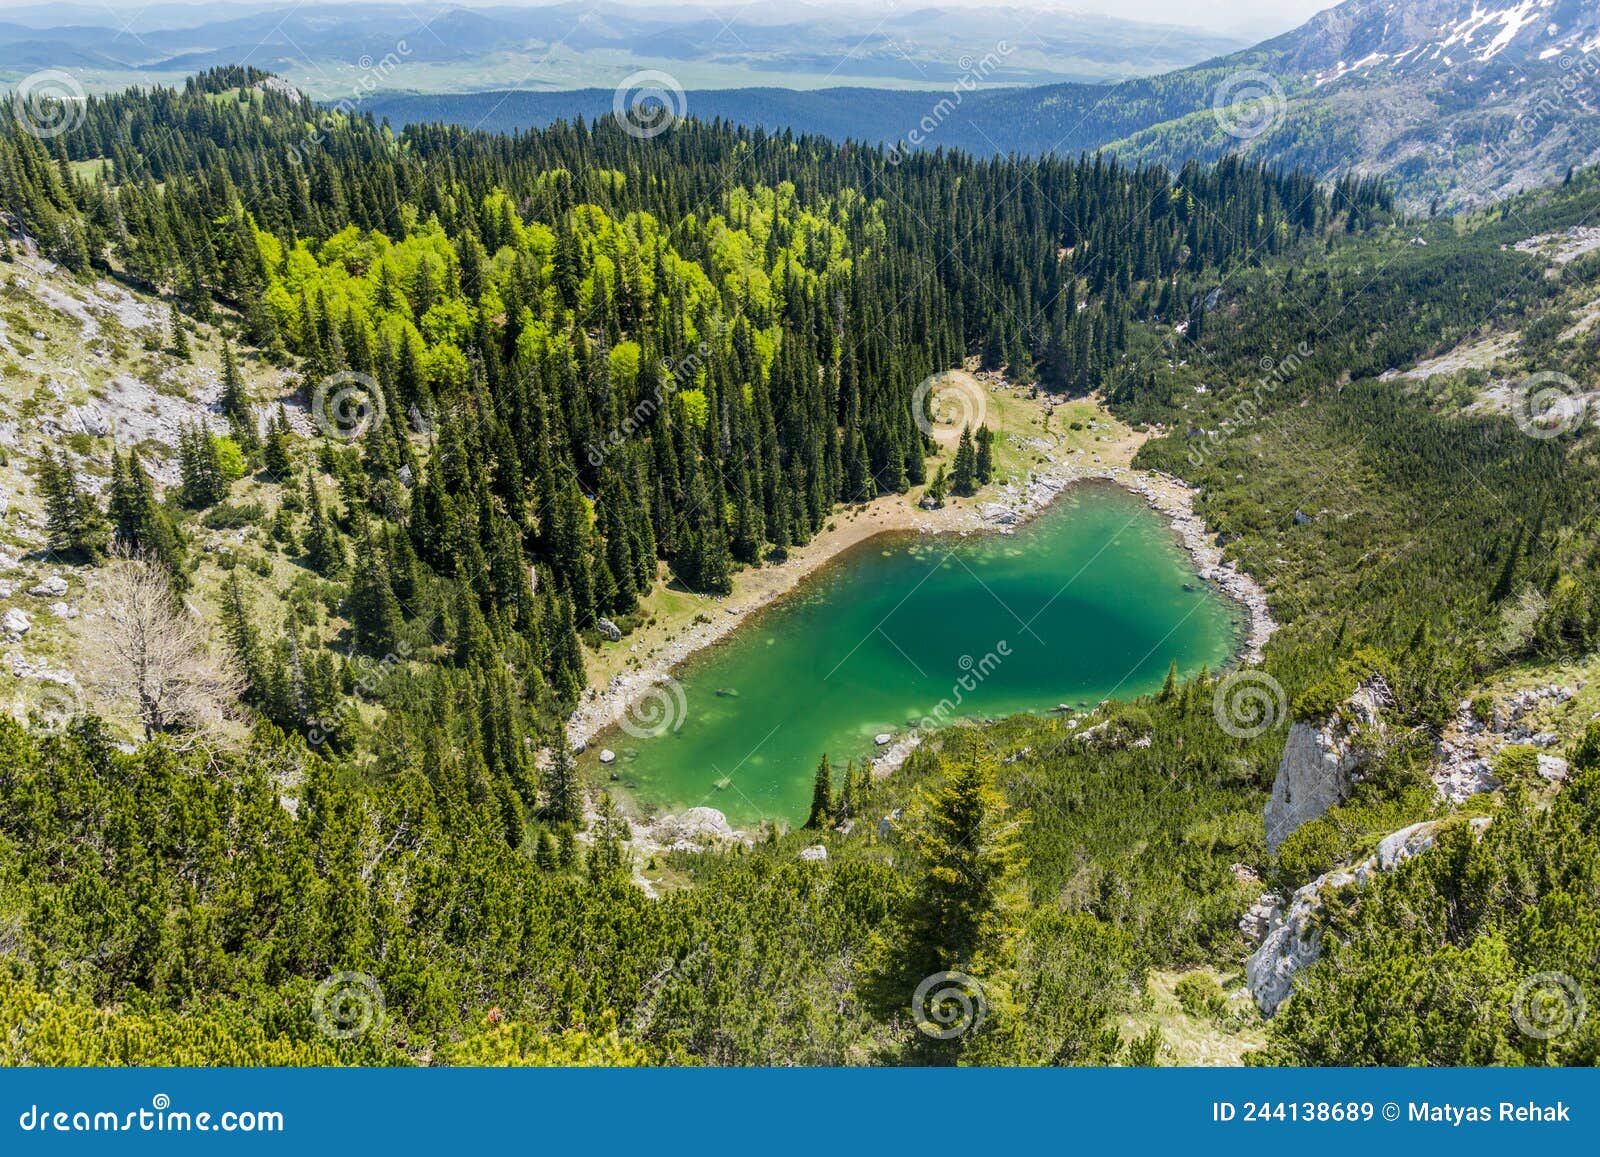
531 379
1455 102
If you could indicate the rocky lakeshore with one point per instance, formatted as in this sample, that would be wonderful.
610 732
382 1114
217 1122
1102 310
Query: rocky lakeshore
634 694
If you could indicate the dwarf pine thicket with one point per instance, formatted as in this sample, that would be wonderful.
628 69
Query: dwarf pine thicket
599 355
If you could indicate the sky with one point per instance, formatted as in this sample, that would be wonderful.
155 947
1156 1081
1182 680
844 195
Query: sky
1249 19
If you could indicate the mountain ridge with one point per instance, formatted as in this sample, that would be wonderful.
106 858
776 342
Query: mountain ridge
1456 103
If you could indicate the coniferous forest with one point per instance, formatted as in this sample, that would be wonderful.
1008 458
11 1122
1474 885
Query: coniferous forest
543 374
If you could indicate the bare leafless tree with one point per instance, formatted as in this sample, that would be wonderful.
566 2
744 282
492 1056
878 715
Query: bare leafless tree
158 657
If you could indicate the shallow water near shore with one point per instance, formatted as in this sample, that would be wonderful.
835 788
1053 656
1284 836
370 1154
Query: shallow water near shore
1090 600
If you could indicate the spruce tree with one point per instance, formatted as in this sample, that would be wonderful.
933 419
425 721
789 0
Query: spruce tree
179 335
563 794
235 401
963 910
1170 685
964 476
140 525
277 452
374 610
72 517
608 859
984 466
821 796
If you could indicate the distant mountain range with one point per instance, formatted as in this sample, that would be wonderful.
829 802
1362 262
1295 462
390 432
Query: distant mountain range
1457 101
331 49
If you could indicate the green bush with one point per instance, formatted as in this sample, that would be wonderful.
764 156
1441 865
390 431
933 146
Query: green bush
1201 996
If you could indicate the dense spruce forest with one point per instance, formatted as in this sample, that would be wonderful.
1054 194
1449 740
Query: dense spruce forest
550 371
596 353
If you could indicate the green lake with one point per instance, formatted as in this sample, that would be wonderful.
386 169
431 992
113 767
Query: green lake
1091 600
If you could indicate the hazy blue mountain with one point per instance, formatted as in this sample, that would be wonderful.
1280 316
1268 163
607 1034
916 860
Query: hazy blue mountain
1457 100
330 50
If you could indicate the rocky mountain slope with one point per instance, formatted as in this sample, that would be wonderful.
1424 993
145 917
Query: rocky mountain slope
1457 101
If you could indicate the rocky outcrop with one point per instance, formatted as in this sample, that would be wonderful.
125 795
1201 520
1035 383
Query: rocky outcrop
1320 762
1289 934
1464 756
694 830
